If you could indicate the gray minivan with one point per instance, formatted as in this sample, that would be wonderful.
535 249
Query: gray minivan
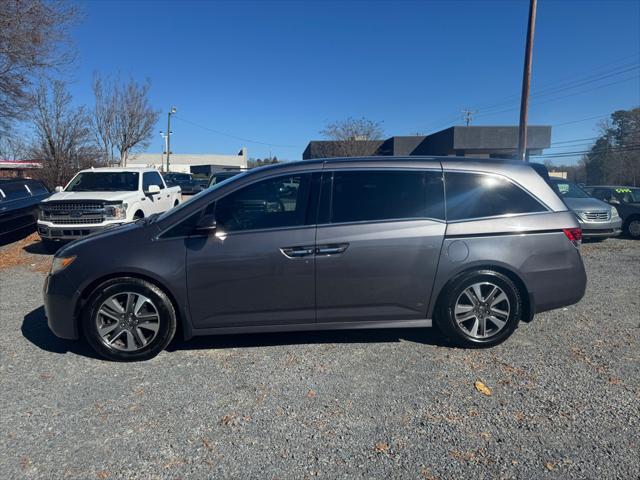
472 246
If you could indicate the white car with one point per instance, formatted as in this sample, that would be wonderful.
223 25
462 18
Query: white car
98 198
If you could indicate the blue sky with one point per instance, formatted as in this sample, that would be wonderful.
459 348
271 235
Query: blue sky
278 72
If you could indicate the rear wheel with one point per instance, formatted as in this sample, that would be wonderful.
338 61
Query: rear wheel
129 319
480 309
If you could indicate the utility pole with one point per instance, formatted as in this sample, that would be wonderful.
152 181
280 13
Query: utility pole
467 115
526 84
172 111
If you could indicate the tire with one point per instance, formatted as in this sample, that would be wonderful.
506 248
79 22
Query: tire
138 215
138 330
176 203
497 326
632 228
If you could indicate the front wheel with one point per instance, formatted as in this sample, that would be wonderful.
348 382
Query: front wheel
633 228
480 309
128 319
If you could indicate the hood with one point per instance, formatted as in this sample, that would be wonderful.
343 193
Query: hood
103 196
589 204
107 234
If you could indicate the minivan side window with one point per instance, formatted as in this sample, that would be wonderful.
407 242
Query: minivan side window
271 203
151 178
475 195
372 195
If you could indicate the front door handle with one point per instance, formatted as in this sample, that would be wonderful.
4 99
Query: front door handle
297 252
333 249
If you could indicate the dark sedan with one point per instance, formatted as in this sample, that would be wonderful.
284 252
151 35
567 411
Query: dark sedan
626 201
19 199
187 183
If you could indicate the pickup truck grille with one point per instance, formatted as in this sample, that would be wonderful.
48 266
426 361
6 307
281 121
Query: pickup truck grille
65 207
70 213
597 216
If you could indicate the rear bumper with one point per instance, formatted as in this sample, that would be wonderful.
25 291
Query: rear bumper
59 305
560 284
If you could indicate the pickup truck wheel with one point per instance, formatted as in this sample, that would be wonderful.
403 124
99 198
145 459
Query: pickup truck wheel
128 319
138 215
480 309
175 204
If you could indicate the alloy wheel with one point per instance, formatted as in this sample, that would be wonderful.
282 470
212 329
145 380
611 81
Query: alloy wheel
482 310
634 228
127 321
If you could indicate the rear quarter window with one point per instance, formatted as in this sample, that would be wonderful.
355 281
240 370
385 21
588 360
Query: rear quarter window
475 195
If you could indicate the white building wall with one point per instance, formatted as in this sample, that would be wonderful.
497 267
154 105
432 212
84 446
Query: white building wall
182 162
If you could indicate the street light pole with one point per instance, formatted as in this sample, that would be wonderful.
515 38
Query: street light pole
526 84
172 110
164 150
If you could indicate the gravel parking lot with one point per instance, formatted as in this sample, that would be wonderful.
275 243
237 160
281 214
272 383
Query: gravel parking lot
564 396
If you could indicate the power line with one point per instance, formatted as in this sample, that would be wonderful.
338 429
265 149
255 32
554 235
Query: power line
563 96
581 120
568 86
235 136
555 87
575 140
624 148
579 77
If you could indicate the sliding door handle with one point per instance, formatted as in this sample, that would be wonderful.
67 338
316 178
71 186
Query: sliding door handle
297 252
332 249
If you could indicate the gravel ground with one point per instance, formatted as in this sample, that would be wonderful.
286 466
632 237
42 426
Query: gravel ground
564 403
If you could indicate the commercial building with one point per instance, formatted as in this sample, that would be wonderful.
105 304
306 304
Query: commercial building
18 168
204 164
472 141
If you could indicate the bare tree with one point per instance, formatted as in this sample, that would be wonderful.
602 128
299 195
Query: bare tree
63 140
123 118
353 137
103 118
13 148
32 33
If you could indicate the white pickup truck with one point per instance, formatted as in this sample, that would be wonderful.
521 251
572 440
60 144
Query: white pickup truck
104 197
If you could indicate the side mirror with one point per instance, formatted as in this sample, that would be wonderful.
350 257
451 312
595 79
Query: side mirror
59 189
614 201
153 189
207 223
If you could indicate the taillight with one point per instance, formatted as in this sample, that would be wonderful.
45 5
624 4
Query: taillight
574 235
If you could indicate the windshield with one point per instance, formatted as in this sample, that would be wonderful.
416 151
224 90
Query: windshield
178 178
568 189
104 182
629 195
198 195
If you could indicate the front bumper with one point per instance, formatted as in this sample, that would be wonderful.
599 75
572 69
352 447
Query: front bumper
49 231
60 299
611 228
